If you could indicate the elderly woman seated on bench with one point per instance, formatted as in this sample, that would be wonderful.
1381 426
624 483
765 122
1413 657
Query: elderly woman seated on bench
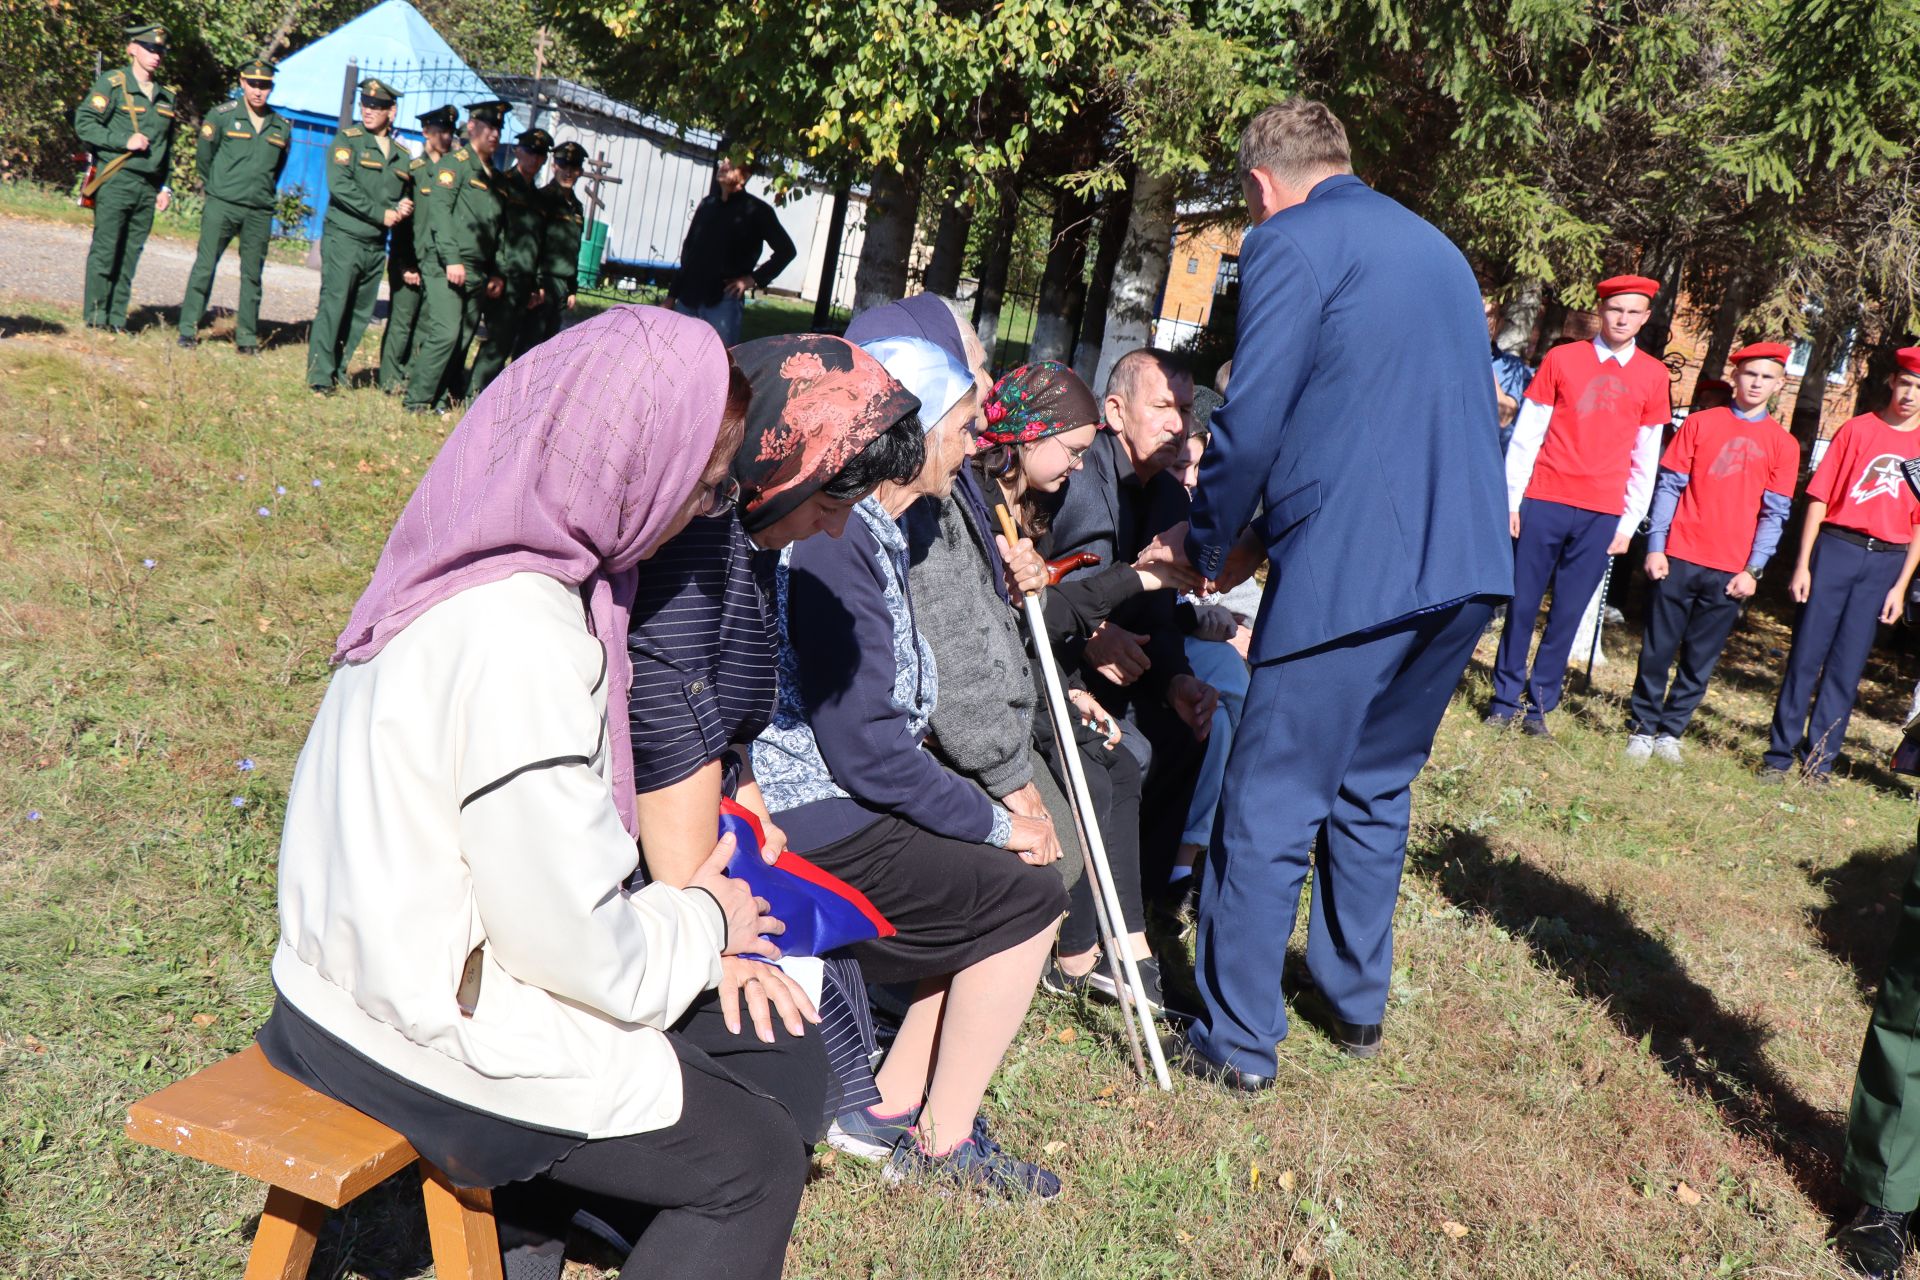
460 957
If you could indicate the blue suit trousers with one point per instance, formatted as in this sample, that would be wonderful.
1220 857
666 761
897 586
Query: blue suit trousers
1321 777
1831 642
1560 547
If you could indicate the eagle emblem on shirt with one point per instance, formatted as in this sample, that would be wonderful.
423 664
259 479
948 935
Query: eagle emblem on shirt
1879 479
341 155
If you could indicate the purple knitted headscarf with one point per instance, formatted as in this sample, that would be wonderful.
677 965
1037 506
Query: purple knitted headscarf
572 464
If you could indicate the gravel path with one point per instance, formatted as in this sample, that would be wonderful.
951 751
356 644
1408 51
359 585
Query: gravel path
45 261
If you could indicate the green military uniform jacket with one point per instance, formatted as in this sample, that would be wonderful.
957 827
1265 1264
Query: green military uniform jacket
362 184
403 254
239 164
114 110
464 226
523 216
560 246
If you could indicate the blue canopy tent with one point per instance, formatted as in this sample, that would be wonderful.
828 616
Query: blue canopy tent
391 41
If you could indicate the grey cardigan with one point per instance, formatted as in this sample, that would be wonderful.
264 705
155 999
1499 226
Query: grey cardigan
982 725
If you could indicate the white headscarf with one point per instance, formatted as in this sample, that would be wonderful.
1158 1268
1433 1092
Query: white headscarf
933 376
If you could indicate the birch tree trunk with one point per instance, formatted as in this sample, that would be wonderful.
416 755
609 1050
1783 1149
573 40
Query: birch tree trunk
1140 276
893 205
1063 288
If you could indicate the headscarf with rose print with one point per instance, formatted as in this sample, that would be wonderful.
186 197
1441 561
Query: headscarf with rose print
1036 401
817 402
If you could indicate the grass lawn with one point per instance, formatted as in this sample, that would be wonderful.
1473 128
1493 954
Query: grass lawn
1625 1009
181 221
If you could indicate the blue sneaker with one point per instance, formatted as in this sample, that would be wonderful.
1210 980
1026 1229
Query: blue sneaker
977 1162
870 1137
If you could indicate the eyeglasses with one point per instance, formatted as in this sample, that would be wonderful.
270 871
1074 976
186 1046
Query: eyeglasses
721 498
1073 455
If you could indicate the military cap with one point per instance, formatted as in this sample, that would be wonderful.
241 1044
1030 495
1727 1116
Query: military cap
1761 351
441 117
1908 359
1616 285
375 92
570 155
258 70
488 112
151 34
537 140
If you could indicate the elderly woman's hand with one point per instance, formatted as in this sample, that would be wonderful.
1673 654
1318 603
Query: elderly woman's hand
1034 840
746 914
1026 571
767 990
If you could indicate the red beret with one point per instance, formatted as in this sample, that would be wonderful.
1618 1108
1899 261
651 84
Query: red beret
1761 351
1908 358
1627 284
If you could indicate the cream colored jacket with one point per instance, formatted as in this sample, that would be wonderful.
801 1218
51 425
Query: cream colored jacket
452 802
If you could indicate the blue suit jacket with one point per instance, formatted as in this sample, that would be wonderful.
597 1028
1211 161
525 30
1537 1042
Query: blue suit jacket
1357 416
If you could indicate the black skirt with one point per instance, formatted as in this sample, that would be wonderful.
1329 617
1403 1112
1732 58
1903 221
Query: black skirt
476 1148
953 902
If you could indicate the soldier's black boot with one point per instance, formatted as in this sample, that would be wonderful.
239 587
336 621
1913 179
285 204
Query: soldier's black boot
1875 1242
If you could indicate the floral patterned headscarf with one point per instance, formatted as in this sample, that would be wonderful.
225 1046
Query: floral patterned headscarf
817 402
1036 401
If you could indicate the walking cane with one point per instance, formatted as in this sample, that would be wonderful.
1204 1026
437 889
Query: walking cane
1599 620
1114 923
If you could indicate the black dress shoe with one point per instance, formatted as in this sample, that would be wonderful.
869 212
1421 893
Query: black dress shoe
1499 719
246 351
1774 777
1875 1242
1189 1060
187 344
1357 1039
1535 727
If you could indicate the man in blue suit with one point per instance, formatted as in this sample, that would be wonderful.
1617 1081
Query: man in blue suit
1357 420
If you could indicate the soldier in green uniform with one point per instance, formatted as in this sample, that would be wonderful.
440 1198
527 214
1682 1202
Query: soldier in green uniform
366 195
403 259
523 217
126 120
457 246
243 148
560 248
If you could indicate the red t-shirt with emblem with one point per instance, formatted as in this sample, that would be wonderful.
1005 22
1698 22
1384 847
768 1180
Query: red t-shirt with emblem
1728 461
1599 407
1859 479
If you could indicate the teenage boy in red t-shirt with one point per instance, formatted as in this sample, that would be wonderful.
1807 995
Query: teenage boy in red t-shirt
1725 487
1857 554
1580 471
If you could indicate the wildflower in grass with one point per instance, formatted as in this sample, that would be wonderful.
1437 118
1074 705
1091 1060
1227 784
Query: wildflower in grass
263 511
280 489
316 484
242 477
149 564
33 815
239 802
244 764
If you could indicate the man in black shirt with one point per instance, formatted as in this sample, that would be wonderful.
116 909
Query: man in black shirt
723 243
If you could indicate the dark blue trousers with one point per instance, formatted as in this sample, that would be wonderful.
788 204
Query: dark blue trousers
1689 614
1560 547
1321 776
1831 642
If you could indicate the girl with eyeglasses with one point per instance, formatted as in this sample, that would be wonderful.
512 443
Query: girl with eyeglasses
1041 420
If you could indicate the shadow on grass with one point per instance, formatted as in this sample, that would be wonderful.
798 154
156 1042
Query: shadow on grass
1595 945
1863 906
12 326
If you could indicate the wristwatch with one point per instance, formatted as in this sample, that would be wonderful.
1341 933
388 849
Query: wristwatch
1755 572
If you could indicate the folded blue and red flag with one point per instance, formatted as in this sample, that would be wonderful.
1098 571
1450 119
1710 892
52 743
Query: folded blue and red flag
821 911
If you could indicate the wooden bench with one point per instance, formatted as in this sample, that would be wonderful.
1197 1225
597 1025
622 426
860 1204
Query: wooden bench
315 1154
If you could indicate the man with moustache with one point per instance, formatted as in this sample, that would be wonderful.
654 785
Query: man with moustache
1126 494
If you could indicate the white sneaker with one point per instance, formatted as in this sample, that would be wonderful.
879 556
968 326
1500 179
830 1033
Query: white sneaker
1667 747
1640 747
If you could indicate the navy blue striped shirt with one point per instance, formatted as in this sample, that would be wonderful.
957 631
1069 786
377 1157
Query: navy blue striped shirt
703 654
